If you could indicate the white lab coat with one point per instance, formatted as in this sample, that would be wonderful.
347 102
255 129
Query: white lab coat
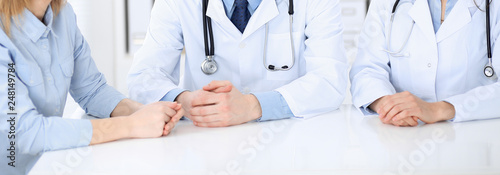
443 66
316 84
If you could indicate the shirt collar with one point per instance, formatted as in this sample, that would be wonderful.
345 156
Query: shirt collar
33 27
252 3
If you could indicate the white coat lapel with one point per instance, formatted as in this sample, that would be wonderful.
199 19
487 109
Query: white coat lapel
456 20
266 11
421 14
217 13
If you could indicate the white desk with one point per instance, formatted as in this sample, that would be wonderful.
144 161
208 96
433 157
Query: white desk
341 142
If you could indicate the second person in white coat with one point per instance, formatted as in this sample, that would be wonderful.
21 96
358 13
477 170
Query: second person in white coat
430 64
242 89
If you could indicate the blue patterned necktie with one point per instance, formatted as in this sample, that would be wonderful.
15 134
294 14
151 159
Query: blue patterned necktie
241 15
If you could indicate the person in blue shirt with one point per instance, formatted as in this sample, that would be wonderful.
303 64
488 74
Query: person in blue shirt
430 63
252 39
43 56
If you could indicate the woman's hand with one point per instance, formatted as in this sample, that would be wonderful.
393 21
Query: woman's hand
154 120
404 107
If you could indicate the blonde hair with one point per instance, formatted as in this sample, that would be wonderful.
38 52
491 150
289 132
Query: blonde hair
12 8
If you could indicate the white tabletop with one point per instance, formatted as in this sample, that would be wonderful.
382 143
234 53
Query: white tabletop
340 142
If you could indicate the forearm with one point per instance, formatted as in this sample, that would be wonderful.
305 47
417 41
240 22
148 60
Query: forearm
126 107
106 130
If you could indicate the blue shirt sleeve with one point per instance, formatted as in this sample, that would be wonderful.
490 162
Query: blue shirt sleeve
365 109
89 87
274 106
32 132
172 95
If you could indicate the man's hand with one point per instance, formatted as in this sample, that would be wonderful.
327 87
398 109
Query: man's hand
223 105
403 106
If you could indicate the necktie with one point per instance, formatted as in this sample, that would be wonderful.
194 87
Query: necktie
241 15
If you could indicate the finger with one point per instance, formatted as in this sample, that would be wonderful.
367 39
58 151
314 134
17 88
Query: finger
178 107
216 84
406 113
178 116
204 110
400 123
410 121
206 98
400 111
397 109
172 105
415 118
169 113
167 129
211 124
207 119
388 104
224 89
168 108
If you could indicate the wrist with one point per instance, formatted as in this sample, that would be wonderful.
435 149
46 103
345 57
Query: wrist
445 111
126 107
376 104
256 110
127 128
183 95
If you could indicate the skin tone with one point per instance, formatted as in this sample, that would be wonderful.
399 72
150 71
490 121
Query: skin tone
219 104
129 119
405 109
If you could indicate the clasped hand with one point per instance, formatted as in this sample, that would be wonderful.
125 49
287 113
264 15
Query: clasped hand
405 109
219 104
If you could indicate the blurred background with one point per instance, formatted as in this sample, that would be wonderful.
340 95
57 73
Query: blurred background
115 30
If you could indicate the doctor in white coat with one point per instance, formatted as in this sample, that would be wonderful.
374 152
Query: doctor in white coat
431 66
242 89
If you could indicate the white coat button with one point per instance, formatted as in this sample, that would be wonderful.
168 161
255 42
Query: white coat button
429 65
31 81
242 45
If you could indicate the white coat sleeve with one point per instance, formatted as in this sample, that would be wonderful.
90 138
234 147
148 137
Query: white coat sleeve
482 102
323 87
155 70
370 73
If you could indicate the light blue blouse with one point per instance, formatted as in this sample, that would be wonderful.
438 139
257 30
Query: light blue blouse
435 8
51 59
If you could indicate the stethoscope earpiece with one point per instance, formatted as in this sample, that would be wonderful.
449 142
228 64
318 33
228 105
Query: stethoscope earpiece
209 66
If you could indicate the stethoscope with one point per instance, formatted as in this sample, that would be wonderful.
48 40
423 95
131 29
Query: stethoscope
488 69
209 66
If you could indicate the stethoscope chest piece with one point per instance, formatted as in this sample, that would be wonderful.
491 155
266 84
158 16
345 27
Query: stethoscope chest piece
488 71
209 66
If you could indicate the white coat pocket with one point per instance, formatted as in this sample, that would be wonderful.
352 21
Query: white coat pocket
279 54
